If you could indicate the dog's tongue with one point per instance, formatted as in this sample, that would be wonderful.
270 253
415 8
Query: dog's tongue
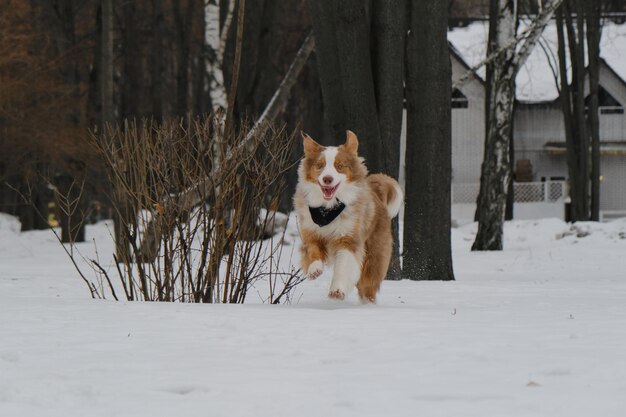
328 192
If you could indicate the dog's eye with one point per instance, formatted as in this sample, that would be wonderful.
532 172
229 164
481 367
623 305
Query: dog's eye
339 166
320 165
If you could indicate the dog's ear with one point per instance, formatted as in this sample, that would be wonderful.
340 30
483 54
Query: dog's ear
310 146
352 143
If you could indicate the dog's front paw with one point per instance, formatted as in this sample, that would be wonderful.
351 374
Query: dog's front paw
315 269
336 295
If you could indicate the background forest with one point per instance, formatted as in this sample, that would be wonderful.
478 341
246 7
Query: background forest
69 67
51 78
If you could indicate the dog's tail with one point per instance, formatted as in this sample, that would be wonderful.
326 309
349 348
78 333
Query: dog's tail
389 191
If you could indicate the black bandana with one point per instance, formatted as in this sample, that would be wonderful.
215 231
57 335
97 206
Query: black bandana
322 216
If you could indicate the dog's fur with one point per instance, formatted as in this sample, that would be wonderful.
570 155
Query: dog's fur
358 242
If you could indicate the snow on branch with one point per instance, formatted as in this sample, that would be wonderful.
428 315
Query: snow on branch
527 39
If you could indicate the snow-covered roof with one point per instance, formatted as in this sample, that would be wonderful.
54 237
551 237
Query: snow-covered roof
536 79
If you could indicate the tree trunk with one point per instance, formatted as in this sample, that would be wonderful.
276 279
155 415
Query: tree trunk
427 252
572 102
566 106
357 80
184 24
388 31
360 51
510 193
577 51
215 51
324 29
157 65
94 99
496 166
592 15
108 116
66 37
107 62
130 81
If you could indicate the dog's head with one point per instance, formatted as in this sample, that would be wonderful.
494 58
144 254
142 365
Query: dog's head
331 173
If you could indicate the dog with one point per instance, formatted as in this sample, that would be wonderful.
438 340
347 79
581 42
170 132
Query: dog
344 216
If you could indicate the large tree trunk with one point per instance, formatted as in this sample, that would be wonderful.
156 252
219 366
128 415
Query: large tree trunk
427 252
355 65
360 50
388 31
327 56
343 43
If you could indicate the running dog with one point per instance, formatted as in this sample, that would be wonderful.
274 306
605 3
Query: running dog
344 216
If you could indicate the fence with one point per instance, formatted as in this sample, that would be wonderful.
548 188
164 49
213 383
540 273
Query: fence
533 200
524 192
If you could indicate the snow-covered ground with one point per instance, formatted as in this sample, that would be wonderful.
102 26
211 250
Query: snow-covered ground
536 330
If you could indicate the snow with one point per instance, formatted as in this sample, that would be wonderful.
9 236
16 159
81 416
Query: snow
536 79
9 224
535 330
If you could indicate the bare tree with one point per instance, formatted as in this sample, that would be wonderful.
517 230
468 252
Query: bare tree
577 22
500 97
496 166
200 260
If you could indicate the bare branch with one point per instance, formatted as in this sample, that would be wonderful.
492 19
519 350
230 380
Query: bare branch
203 190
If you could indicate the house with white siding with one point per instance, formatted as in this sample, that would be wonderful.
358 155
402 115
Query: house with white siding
539 136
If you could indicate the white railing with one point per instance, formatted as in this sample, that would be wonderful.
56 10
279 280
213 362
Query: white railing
525 192
608 215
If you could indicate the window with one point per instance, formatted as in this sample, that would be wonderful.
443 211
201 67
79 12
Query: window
606 103
459 101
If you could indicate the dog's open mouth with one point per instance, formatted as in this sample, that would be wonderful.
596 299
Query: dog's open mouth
329 192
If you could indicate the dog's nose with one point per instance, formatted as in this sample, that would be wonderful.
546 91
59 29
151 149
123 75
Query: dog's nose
327 180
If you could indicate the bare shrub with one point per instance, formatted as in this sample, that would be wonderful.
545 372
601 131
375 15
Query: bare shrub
214 252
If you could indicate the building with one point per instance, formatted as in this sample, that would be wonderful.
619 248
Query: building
539 138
